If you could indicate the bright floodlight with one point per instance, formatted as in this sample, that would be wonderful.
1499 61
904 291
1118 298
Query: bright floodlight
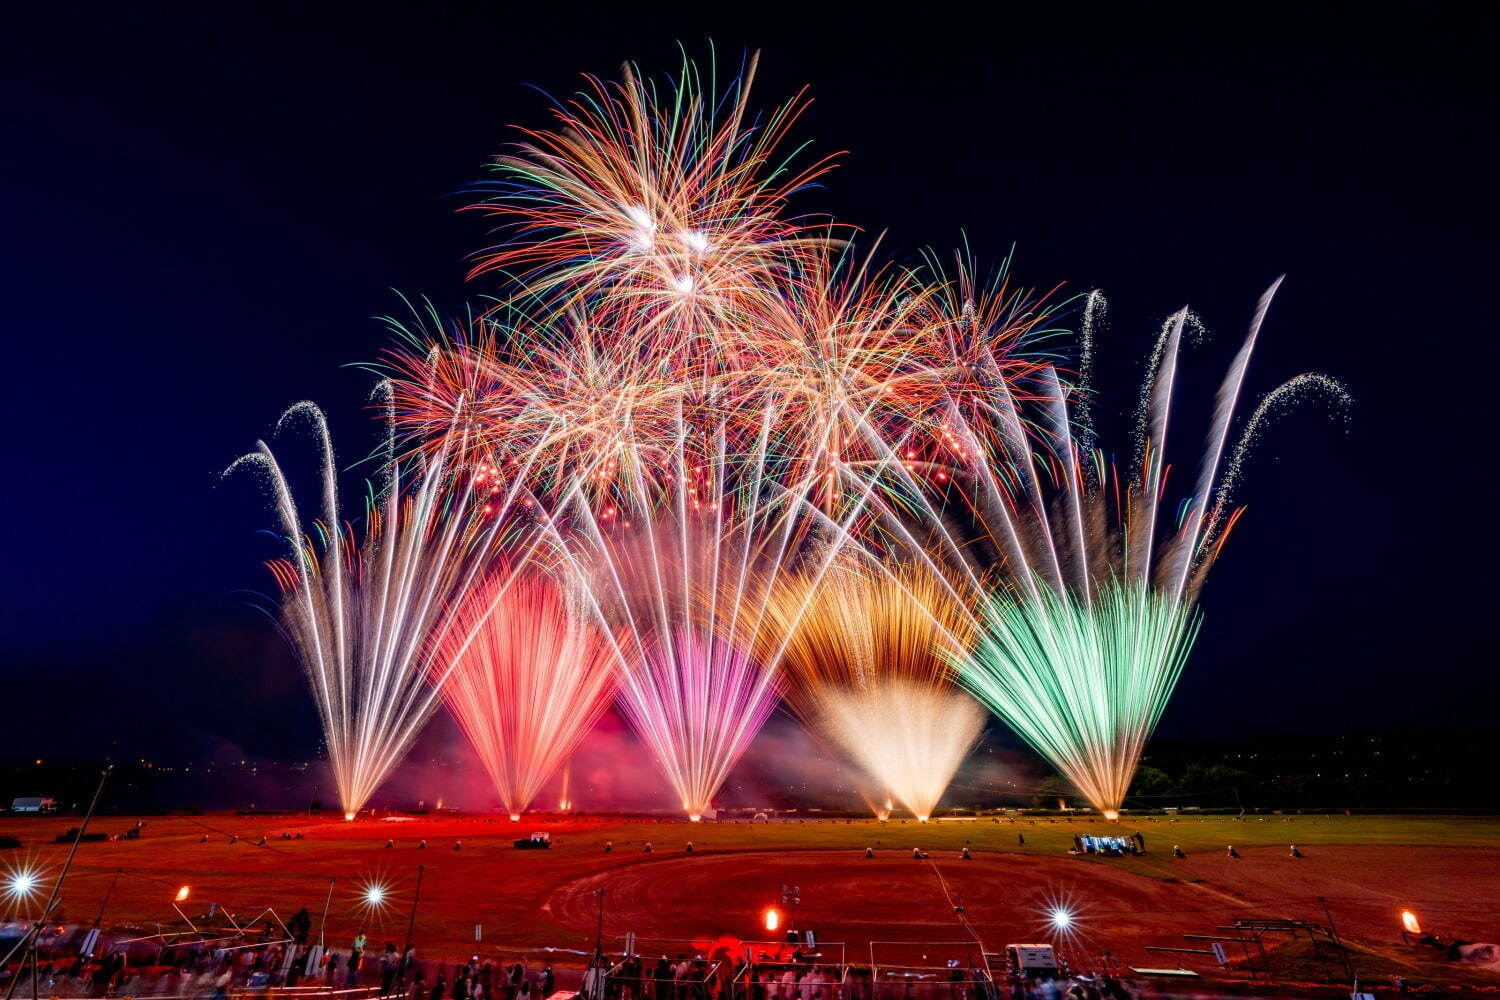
374 895
1062 919
1111 814
21 884
773 919
348 817
1410 923
182 894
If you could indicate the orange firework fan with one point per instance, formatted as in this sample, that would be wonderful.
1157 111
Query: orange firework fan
866 653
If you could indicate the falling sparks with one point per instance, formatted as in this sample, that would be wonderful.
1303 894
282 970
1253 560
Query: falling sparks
705 453
527 676
361 615
865 668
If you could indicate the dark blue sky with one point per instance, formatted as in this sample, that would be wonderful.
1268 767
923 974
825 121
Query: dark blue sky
200 212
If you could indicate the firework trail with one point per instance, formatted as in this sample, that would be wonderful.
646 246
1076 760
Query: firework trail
527 676
1085 589
1294 391
667 199
866 668
697 404
1084 682
360 614
682 373
674 566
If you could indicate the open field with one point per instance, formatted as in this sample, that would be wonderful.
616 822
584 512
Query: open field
1366 869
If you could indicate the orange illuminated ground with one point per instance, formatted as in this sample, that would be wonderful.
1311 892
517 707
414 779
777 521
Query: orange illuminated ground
1367 870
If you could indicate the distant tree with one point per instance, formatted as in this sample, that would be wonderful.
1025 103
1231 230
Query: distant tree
1053 789
1212 777
1151 782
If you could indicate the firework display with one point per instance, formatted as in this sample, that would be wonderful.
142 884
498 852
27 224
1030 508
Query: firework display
526 675
674 565
707 454
1080 650
865 656
363 616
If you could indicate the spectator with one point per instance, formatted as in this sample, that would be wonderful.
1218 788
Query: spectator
388 965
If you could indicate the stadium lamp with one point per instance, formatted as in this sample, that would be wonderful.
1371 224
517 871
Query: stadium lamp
773 919
1062 919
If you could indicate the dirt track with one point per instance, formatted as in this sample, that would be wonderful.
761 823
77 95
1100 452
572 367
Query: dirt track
1010 897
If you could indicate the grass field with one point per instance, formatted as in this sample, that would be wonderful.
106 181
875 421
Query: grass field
1364 868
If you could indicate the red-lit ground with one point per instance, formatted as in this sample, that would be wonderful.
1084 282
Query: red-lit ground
1366 869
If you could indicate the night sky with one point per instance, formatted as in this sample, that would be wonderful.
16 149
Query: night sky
201 213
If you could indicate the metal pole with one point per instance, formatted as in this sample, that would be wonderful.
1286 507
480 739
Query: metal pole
416 898
324 922
1333 929
107 893
411 924
599 935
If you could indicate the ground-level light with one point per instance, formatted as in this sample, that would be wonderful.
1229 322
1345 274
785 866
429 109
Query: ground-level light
374 895
348 817
1410 923
182 894
21 884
